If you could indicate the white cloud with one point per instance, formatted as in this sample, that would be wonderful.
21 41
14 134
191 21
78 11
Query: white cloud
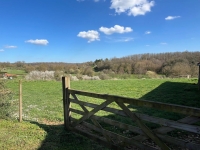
127 39
120 39
38 41
10 46
148 32
172 17
115 29
96 0
163 43
1 50
91 35
132 7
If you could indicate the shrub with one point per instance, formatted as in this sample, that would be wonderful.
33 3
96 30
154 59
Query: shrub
103 76
85 77
88 71
71 71
40 75
5 97
58 75
73 78
79 76
152 74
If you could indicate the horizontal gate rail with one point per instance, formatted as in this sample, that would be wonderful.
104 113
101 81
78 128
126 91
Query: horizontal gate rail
161 121
96 131
145 103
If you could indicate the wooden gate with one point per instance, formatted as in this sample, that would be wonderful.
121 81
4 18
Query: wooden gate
141 132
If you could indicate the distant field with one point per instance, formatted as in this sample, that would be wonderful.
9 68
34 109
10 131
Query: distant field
42 101
12 71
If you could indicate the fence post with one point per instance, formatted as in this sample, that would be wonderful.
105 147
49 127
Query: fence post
20 101
198 64
199 79
66 100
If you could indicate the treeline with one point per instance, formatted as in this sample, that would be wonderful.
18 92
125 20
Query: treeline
168 64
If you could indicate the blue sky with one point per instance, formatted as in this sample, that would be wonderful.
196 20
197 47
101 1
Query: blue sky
78 31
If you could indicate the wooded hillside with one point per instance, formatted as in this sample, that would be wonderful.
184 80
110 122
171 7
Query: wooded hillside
168 64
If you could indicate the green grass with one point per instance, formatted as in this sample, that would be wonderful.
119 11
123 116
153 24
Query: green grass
34 135
16 135
14 71
42 103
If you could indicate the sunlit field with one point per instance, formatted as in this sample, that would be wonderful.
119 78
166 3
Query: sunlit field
43 106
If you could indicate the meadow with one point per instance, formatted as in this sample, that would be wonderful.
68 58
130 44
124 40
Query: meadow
15 71
42 127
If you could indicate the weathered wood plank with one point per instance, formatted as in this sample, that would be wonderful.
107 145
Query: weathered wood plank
179 142
112 122
145 103
172 140
67 107
146 130
95 138
119 139
164 130
169 125
64 100
168 139
96 109
93 120
187 120
82 106
161 121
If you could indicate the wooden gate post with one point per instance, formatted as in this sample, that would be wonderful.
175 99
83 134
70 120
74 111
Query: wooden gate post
66 100
198 64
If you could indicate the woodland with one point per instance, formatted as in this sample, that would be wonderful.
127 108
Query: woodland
170 64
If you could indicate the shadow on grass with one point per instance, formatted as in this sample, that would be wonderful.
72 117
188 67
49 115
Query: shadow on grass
59 138
169 92
175 93
185 94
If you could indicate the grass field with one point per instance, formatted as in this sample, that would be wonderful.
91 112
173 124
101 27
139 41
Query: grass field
43 112
14 71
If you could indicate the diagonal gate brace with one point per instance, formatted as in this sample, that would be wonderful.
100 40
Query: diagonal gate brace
145 129
93 120
89 114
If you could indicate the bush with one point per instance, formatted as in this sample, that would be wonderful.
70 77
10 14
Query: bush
5 97
88 71
85 77
40 75
58 75
73 78
152 74
79 76
103 76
